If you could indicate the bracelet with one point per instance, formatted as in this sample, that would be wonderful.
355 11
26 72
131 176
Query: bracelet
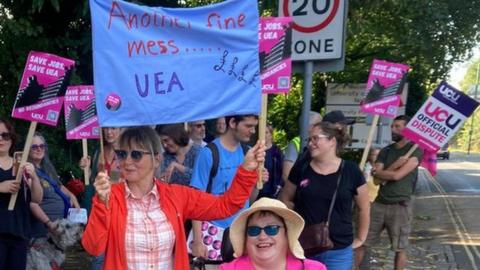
46 222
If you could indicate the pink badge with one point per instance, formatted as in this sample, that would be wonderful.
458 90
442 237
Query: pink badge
217 244
305 182
207 240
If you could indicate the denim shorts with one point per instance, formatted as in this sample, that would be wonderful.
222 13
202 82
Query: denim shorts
336 259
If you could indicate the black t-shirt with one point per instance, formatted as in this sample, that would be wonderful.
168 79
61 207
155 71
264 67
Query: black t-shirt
17 222
314 194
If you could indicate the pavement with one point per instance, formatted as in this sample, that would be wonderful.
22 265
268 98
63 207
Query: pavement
432 239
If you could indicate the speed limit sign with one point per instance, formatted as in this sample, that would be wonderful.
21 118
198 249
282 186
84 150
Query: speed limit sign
318 28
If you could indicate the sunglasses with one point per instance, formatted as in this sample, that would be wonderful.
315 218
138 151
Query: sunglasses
270 230
316 138
136 155
36 147
6 136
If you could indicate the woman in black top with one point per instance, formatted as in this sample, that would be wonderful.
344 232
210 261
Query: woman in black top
14 225
310 188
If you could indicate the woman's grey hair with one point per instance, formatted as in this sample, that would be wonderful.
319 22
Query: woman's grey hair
143 136
46 164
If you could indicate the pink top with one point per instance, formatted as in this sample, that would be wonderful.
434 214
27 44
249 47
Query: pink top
244 263
149 238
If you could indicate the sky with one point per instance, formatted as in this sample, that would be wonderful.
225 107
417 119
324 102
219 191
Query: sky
459 70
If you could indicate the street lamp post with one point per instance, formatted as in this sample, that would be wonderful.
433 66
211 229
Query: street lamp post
473 115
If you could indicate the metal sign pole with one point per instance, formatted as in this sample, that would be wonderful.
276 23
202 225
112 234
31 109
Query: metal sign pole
307 101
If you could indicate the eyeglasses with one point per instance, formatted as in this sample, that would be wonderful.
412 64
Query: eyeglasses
136 155
6 136
36 147
316 138
270 230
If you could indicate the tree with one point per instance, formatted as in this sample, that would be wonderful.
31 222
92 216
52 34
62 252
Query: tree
428 35
60 27
470 132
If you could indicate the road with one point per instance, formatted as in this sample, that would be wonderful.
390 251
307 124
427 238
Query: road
457 185
446 223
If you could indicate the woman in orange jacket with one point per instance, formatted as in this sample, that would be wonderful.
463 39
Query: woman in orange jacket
138 223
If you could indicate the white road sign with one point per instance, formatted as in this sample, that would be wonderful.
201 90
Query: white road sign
346 98
318 28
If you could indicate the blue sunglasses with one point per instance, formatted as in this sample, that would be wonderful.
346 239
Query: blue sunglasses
270 230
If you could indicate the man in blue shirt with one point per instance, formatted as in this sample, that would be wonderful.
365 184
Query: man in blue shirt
230 153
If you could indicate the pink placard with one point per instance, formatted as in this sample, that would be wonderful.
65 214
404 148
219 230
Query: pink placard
384 88
439 118
44 82
81 121
275 35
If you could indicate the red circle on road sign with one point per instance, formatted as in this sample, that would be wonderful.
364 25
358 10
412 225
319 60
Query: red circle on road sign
311 29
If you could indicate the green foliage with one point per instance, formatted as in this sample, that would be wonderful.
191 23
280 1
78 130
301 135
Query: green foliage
40 26
470 132
428 35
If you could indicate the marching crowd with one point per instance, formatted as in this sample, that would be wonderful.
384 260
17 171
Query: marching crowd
172 197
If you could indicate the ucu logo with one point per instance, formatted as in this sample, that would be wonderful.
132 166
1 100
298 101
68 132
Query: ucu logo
449 94
441 115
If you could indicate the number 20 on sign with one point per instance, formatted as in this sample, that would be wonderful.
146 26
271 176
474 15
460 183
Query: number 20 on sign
318 28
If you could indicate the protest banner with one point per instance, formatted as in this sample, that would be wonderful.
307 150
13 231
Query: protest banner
439 118
43 85
383 95
81 121
275 39
155 65
40 97
384 88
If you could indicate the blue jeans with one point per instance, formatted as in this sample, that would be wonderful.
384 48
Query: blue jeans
337 259
97 262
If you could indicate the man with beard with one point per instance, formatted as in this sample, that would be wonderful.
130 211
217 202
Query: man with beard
392 207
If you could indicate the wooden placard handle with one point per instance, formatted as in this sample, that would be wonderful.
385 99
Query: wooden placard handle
407 155
371 133
262 126
86 170
26 151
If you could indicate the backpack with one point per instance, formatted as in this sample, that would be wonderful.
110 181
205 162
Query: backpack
227 248
215 162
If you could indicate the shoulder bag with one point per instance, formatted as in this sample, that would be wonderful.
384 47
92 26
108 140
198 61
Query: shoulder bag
316 238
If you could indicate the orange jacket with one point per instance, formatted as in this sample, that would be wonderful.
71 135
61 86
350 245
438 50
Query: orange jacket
105 232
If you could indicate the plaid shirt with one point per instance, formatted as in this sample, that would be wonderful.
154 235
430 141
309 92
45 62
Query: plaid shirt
149 237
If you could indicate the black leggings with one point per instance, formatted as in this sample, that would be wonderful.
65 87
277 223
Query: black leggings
13 253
